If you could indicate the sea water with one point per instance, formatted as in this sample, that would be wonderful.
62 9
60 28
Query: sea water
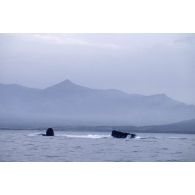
29 146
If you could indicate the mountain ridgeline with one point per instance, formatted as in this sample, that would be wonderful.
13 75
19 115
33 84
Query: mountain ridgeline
67 103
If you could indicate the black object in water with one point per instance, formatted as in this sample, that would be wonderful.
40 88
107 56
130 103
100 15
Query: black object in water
49 132
120 134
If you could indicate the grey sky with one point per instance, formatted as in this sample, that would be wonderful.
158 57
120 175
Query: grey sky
135 63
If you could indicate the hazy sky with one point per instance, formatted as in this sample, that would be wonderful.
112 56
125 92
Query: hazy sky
136 63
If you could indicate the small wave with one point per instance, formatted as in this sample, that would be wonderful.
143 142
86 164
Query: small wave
148 138
178 138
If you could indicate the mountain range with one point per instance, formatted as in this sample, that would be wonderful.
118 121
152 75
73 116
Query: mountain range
67 103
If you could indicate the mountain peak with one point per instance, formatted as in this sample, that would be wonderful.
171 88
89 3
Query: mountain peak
67 81
67 85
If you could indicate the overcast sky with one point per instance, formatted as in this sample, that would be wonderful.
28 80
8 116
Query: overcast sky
135 63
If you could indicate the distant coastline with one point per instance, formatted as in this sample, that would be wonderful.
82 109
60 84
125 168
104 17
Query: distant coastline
183 127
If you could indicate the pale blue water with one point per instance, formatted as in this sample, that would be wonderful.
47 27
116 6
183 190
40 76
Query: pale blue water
28 145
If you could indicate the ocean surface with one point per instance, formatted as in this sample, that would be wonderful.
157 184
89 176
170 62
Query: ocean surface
30 146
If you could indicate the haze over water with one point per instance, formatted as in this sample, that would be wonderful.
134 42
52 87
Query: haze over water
141 63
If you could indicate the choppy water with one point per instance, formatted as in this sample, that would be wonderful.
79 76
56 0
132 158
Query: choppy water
29 145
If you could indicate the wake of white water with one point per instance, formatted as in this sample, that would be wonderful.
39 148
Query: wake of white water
89 136
34 134
97 136
86 136
92 136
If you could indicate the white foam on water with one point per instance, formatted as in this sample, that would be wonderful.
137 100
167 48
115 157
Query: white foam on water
34 134
85 136
89 136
